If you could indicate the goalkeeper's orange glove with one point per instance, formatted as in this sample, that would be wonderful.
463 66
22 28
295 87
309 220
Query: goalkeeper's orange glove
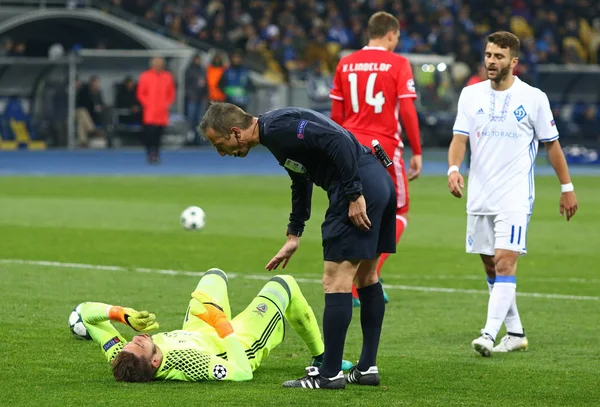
141 321
206 308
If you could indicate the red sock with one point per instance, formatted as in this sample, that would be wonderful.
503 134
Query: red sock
354 291
400 225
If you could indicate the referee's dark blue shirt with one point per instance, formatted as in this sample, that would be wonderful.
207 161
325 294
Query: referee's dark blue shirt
313 149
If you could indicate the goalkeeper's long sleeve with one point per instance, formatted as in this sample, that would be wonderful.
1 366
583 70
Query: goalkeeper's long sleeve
95 318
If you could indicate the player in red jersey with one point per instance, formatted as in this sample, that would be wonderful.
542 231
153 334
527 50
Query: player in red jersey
371 89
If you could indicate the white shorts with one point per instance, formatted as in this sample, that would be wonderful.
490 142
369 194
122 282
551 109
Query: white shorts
508 231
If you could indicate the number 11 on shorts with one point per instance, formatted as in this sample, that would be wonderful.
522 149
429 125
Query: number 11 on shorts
515 234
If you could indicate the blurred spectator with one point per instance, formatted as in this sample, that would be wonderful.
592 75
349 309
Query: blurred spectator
589 124
89 110
195 91
59 111
564 128
480 75
299 73
156 93
214 73
18 50
6 47
235 81
127 101
318 87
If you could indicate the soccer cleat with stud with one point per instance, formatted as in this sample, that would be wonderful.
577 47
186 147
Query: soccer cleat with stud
314 380
483 345
511 343
368 378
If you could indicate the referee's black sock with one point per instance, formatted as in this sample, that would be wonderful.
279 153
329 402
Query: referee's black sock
336 320
372 309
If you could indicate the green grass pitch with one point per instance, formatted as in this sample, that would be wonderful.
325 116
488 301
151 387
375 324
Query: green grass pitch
425 357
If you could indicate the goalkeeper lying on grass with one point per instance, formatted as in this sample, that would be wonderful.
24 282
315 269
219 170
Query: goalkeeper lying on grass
210 345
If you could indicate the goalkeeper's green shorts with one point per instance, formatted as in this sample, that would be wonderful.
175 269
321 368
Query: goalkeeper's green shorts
260 328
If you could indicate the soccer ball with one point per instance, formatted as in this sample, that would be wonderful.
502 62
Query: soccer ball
219 372
76 324
193 218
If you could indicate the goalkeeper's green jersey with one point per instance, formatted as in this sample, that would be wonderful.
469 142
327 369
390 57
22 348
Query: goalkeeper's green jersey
187 355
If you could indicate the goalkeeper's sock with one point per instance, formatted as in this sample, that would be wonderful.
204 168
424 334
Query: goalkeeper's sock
500 301
214 282
301 317
336 320
371 320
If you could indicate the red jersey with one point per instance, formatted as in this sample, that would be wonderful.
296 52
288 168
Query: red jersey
370 82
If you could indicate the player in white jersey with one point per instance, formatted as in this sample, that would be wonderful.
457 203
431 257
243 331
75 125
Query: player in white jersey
503 119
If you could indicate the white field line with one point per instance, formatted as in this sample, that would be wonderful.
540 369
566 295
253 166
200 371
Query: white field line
265 277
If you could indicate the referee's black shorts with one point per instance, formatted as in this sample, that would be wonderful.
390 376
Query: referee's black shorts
344 241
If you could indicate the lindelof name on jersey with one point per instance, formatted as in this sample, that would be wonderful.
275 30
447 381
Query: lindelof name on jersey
367 67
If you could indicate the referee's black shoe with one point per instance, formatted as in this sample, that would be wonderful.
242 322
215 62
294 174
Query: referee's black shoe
367 378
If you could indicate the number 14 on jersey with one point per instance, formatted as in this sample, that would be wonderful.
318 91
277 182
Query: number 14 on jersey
377 101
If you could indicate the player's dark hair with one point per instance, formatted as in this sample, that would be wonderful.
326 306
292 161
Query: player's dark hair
129 368
505 39
221 117
382 23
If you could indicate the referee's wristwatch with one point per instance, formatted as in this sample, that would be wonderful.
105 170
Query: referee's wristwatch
291 232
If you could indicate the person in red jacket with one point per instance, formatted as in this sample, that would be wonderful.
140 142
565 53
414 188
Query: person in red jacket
156 93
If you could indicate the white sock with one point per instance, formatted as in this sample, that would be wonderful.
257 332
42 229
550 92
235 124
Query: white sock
501 298
513 319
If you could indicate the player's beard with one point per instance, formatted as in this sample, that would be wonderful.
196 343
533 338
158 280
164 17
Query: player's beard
500 74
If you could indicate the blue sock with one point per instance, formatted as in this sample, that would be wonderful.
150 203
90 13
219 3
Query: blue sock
490 282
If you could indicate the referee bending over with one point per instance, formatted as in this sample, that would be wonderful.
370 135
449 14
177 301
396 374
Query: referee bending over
359 224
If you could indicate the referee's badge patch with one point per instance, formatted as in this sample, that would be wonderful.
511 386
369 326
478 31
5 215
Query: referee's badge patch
520 113
294 166
300 129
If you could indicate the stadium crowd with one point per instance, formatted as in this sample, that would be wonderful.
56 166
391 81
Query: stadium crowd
294 33
301 40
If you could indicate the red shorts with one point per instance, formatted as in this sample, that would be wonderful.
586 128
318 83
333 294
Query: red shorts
394 148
